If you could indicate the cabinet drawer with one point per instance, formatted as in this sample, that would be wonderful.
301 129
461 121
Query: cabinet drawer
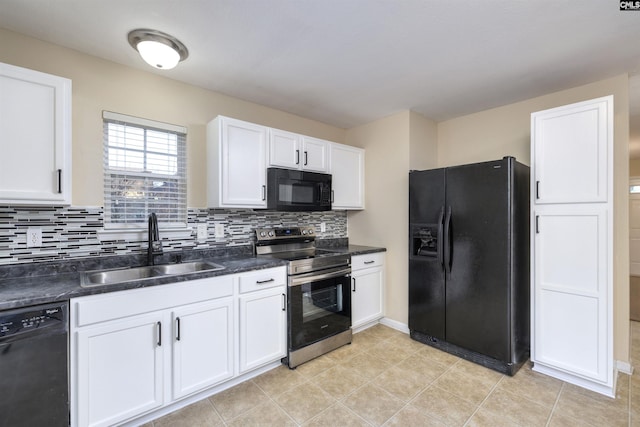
116 305
359 262
263 279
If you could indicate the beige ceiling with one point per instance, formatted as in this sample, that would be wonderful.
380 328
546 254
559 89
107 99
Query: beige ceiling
348 62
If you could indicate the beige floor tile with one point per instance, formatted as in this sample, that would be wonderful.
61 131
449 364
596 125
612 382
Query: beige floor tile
445 406
469 381
635 420
401 383
339 381
363 341
423 367
486 418
315 366
336 415
367 366
238 399
412 416
199 414
266 414
373 404
381 332
621 402
540 388
279 380
389 351
404 341
589 407
345 352
438 355
561 420
304 402
634 389
517 408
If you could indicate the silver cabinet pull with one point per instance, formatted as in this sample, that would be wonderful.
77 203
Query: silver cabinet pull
159 331
262 282
264 192
59 181
177 329
284 302
369 262
354 283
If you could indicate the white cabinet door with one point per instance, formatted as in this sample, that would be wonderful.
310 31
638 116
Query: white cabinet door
263 323
202 345
284 149
35 137
315 154
570 153
571 291
572 244
236 166
119 370
367 289
347 176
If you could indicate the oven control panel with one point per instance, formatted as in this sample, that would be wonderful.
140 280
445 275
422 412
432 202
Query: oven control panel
282 233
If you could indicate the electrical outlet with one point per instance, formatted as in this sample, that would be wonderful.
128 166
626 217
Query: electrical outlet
219 230
323 227
201 232
34 237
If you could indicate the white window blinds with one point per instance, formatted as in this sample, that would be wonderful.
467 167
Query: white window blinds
144 172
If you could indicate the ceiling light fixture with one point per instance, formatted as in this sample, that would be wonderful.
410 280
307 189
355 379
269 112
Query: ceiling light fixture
158 49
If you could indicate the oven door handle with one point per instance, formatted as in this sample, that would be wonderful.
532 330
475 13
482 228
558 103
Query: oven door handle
316 276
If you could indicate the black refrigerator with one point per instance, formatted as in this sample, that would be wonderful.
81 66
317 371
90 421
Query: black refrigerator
469 261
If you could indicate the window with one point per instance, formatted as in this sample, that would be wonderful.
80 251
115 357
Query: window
144 172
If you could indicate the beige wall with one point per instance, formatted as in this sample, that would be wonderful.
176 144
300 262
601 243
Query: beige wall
503 131
394 145
634 167
102 85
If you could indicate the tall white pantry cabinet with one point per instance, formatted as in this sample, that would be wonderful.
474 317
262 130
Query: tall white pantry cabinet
572 244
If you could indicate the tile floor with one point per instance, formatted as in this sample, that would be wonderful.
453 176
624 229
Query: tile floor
385 378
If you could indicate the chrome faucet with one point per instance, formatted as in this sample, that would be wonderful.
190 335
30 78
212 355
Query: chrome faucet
155 245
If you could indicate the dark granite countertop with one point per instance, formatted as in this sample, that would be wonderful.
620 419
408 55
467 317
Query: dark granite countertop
30 284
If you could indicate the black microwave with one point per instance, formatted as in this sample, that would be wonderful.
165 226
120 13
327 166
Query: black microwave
292 190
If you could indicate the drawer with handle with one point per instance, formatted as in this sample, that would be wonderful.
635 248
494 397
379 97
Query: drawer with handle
358 262
263 279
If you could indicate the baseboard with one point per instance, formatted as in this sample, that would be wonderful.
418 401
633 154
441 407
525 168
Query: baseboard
624 367
398 326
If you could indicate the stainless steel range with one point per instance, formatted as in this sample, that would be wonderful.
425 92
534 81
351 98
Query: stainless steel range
318 292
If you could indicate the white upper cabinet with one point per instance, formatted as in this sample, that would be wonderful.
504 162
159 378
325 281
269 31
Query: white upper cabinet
570 153
347 172
236 164
293 151
35 137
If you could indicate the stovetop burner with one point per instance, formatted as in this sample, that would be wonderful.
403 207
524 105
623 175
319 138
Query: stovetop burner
297 245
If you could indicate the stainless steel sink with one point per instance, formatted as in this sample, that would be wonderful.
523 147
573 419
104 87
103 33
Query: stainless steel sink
114 276
186 267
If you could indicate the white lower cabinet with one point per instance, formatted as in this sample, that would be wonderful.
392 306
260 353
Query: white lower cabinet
367 288
136 351
119 370
263 319
202 346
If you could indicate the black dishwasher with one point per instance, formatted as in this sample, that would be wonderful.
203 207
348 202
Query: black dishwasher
34 366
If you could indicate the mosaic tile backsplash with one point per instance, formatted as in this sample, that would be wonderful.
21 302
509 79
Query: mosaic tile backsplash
72 232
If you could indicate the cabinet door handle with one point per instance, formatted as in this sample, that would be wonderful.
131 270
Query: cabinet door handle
297 157
264 192
369 262
354 284
331 196
537 224
159 332
305 158
262 282
177 329
284 302
59 181
537 189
